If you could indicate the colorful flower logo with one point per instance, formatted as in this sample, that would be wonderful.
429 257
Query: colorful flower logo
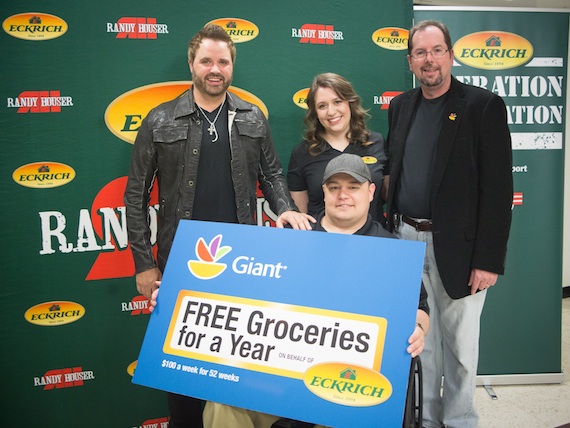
206 267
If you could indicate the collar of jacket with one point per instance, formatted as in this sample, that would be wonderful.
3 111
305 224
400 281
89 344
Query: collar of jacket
186 106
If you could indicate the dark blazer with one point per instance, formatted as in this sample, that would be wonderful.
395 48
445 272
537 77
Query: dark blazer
472 188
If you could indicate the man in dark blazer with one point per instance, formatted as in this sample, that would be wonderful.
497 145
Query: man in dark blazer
450 185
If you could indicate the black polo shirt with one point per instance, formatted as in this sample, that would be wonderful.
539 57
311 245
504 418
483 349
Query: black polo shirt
306 172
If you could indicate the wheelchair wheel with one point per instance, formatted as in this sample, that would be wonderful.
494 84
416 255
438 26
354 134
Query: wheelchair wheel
414 397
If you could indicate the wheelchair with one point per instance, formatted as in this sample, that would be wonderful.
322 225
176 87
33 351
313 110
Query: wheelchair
413 416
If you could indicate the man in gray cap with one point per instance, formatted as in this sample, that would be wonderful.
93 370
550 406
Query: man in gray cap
348 190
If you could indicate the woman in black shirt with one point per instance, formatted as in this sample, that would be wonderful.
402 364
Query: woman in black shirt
335 123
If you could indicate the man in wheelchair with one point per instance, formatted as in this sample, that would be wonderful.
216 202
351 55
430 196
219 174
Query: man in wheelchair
348 191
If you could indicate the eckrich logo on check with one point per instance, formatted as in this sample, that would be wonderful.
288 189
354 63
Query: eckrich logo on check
208 267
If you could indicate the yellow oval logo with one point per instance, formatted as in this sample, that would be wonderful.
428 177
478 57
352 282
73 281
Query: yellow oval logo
239 30
34 26
348 384
392 38
42 175
493 50
369 160
125 113
54 313
300 98
131 368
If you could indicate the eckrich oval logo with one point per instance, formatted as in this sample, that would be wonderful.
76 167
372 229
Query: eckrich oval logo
392 38
493 50
300 98
35 26
348 384
42 175
369 160
132 367
238 29
54 313
125 113
207 266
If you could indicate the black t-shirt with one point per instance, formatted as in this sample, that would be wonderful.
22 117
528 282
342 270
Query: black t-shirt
306 172
215 198
414 185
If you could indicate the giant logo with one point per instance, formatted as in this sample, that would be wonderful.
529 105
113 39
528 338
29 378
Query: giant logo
35 26
207 266
391 38
493 50
208 255
239 30
125 113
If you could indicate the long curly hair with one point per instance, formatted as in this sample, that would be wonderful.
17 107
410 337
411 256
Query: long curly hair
314 130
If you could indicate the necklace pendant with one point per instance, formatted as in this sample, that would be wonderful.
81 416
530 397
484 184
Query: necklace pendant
211 129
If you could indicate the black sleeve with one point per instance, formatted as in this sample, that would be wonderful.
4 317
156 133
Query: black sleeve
423 305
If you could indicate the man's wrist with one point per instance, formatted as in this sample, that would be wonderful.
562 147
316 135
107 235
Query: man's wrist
419 324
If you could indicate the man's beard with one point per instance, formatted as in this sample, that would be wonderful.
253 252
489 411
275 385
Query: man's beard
434 81
202 86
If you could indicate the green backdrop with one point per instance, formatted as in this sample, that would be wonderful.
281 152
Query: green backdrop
72 322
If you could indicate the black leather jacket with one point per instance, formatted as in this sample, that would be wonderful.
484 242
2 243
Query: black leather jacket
167 148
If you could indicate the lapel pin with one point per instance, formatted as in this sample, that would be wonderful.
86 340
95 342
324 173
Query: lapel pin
453 116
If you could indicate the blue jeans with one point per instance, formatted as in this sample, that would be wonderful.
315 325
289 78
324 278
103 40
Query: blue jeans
451 346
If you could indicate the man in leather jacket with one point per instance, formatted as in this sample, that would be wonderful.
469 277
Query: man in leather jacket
207 150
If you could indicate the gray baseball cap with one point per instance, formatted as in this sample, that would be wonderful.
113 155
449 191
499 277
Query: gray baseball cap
350 164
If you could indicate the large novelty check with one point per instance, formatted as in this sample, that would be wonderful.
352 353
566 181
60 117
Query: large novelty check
306 325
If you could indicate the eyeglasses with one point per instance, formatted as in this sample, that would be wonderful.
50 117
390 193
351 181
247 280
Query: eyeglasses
421 54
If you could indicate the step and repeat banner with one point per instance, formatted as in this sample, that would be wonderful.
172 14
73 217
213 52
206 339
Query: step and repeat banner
77 80
522 56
